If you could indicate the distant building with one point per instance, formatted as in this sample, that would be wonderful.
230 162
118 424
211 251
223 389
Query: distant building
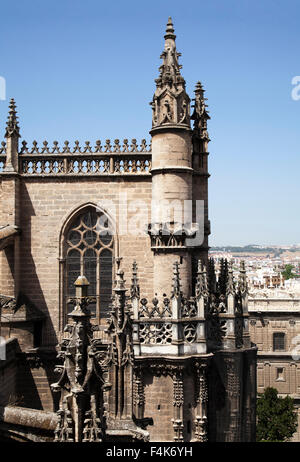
275 328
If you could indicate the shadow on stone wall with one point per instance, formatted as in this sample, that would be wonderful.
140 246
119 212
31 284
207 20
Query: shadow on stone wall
32 289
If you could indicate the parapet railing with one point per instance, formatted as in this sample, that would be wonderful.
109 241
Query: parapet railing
106 159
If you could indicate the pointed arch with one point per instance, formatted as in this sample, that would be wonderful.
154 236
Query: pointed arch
88 245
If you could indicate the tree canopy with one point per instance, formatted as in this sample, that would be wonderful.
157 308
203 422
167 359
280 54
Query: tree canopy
287 273
276 417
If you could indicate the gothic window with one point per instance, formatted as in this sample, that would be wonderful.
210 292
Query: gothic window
89 252
278 341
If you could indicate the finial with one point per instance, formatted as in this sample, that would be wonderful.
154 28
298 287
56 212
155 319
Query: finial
204 282
118 262
119 281
176 280
230 281
223 276
199 87
243 284
170 29
81 300
199 279
135 289
170 104
200 114
12 127
170 69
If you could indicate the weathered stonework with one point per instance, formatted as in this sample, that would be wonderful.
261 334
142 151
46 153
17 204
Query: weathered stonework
165 356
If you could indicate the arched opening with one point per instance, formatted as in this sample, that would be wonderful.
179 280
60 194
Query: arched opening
88 249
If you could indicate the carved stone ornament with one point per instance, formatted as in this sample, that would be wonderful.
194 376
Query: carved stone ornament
170 235
170 104
81 383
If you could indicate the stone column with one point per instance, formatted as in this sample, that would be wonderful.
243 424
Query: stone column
177 421
233 388
138 393
135 302
171 186
201 402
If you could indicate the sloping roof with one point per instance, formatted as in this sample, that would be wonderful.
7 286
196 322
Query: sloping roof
20 310
7 235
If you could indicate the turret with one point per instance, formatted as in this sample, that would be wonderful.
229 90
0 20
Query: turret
200 140
171 171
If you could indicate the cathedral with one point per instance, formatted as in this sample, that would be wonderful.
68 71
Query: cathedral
115 328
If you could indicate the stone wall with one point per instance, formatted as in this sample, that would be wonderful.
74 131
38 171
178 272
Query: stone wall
158 405
46 204
33 385
277 369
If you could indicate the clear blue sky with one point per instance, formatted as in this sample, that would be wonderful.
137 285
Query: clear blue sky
85 70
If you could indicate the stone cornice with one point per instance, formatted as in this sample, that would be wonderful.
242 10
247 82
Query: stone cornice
171 168
203 174
9 174
274 355
169 128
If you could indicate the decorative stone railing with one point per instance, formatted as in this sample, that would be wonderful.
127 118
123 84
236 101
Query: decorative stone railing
215 318
155 321
109 159
172 325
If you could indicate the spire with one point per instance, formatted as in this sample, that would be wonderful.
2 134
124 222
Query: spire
200 114
201 289
81 382
223 276
211 276
12 127
242 284
205 282
171 104
176 280
170 68
199 279
170 30
230 280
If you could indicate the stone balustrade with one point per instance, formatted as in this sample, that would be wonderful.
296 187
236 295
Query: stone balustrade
108 159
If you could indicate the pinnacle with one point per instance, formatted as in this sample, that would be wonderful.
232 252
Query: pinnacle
169 25
198 86
119 282
12 107
170 29
12 121
12 104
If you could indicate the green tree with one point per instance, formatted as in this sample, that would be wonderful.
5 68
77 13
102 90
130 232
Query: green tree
287 273
276 417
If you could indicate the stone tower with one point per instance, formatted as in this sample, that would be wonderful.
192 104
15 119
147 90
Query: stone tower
179 225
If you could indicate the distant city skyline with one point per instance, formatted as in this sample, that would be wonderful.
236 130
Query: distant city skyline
85 71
